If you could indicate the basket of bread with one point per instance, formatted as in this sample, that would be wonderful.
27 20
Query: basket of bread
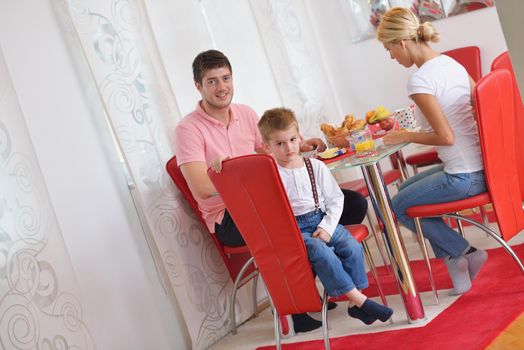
337 136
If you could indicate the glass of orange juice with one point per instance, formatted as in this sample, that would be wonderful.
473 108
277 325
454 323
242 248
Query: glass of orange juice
364 143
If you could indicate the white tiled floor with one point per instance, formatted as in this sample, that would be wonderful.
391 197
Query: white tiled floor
259 331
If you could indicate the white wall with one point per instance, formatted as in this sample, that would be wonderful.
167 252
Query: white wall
510 13
125 303
364 74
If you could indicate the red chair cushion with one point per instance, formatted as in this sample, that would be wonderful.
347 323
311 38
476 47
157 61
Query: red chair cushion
359 185
423 158
448 207
359 232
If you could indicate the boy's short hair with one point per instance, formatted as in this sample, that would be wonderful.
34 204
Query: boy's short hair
206 60
276 119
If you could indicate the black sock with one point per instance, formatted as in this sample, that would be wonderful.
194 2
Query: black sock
471 250
304 323
377 310
331 305
358 313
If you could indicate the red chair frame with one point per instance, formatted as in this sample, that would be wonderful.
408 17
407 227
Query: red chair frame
256 199
238 260
494 106
503 61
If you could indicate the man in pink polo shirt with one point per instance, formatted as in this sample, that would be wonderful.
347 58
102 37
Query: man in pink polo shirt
220 128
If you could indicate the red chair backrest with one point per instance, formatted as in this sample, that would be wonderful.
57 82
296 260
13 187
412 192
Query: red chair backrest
233 262
496 121
503 61
255 197
469 57
176 175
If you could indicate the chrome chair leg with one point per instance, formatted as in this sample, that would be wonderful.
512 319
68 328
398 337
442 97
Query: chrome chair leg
415 169
254 296
325 331
367 255
234 295
460 227
379 242
484 215
493 234
276 323
424 249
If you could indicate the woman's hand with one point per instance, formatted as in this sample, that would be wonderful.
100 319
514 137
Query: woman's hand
395 137
216 164
322 234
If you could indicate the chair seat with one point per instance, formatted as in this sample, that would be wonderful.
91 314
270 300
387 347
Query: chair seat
448 207
359 185
423 158
359 232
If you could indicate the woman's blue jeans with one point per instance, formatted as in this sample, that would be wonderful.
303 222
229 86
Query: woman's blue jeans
436 186
340 263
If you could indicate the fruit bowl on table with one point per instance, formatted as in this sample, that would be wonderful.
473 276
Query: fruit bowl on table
382 127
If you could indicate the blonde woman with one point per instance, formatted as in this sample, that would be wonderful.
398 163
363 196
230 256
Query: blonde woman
441 89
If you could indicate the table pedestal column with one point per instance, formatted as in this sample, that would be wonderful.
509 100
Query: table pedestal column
399 259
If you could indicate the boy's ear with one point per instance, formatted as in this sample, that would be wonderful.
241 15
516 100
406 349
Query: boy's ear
265 147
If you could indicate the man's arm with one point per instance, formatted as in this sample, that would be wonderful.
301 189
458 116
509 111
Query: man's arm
197 179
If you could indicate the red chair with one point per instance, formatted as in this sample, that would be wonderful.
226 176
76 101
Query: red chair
494 106
256 199
238 260
503 61
469 57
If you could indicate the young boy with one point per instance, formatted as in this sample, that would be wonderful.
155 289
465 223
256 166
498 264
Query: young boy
317 203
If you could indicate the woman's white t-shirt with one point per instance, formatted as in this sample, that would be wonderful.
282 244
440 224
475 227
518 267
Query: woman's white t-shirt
448 81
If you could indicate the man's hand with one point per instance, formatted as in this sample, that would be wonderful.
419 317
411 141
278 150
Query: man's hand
216 164
312 144
322 234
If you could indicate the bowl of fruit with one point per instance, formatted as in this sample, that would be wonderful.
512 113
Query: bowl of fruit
381 118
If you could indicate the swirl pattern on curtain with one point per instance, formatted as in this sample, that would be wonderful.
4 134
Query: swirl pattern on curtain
40 302
120 50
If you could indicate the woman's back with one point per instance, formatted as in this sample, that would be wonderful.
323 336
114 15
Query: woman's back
448 81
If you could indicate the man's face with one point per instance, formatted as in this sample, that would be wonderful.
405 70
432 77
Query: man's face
216 88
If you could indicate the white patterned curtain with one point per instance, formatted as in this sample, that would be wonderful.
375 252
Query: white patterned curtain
296 60
120 50
40 302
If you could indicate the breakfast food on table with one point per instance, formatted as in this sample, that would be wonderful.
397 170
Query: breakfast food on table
331 153
337 135
387 124
376 115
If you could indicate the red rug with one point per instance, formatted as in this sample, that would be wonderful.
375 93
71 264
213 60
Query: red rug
471 323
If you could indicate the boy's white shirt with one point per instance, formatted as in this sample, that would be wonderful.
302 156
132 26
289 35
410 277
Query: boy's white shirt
298 188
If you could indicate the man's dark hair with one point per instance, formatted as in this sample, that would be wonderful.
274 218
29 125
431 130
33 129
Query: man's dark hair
206 60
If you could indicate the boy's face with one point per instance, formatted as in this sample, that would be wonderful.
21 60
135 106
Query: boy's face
284 145
216 88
